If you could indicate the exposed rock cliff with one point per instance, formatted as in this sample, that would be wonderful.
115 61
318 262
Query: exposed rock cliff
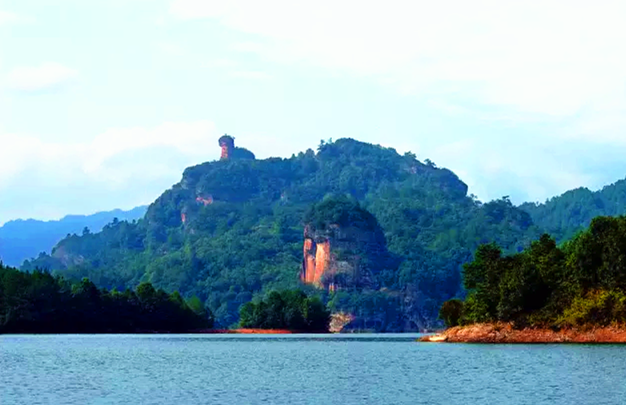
343 246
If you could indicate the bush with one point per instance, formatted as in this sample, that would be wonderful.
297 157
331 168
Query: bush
596 308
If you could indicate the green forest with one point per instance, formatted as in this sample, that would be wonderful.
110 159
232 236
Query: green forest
231 231
288 310
37 302
580 283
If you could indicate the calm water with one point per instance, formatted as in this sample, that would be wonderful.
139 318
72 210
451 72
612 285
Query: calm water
360 369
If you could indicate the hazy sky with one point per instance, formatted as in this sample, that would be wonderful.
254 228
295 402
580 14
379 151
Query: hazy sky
103 103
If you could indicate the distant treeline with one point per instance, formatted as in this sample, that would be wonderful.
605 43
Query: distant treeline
289 309
38 302
581 283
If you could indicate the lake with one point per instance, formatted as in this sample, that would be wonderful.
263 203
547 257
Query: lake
302 369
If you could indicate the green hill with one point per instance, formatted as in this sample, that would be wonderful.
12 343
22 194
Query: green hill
232 230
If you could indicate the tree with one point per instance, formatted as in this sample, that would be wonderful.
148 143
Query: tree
451 312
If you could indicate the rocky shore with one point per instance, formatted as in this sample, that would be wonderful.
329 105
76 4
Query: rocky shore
505 334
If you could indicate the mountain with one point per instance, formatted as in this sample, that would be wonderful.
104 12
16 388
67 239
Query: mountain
233 229
24 239
568 214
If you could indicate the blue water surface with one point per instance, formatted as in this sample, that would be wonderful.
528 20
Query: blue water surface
303 369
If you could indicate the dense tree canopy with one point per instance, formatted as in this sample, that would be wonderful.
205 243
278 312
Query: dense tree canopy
581 283
37 302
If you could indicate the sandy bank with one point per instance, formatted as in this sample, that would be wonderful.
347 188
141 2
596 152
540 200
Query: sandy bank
250 331
504 333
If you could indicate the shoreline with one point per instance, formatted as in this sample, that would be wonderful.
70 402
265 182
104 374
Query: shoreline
502 333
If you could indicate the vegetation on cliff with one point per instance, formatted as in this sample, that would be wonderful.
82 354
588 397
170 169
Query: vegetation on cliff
287 310
37 302
582 283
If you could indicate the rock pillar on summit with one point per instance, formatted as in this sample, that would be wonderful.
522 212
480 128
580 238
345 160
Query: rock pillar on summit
227 143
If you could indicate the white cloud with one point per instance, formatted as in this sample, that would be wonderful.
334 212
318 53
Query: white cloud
171 48
23 152
47 76
551 58
194 9
7 17
222 63
120 165
250 74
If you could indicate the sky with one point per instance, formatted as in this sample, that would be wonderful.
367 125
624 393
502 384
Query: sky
103 103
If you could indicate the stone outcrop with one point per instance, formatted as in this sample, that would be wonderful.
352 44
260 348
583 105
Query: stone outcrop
339 321
340 257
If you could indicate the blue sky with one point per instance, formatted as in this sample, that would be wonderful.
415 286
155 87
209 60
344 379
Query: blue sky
103 103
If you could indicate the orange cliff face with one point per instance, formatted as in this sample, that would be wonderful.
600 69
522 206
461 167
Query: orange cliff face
316 261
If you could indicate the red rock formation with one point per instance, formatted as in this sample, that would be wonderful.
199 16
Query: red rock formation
208 200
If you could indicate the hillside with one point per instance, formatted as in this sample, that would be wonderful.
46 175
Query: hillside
233 229
566 215
25 239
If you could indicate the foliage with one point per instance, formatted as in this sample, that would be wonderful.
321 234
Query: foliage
340 211
37 302
596 308
289 309
581 283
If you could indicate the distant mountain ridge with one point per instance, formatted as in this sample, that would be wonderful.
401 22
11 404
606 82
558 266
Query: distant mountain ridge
24 239
565 215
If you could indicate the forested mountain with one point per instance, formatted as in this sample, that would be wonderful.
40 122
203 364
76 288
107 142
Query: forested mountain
25 239
566 215
233 229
